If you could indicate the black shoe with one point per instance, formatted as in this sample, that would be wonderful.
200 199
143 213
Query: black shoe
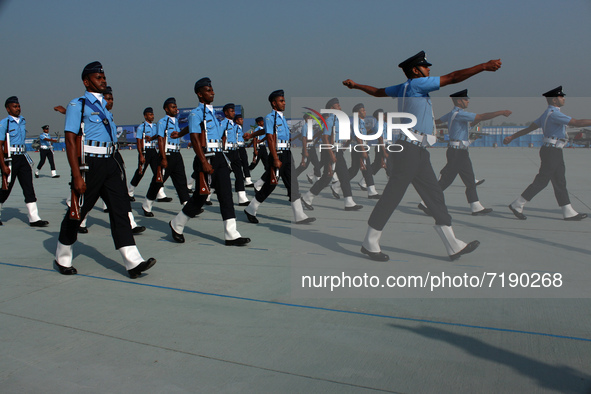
579 216
364 188
484 211
138 229
131 198
249 185
106 210
251 218
310 179
36 175
374 196
377 256
82 230
354 208
307 206
471 247
180 238
208 203
518 215
480 182
425 209
306 221
237 242
164 199
1 223
251 166
143 266
39 223
190 191
54 176
334 194
244 204
147 214
65 270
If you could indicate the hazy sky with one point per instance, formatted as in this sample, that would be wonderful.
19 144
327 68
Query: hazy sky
152 50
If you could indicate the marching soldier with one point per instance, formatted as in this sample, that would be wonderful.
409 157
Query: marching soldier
329 158
88 118
147 147
211 168
109 101
231 152
14 163
458 161
171 159
381 149
309 155
46 152
259 148
552 168
357 158
412 164
240 143
280 163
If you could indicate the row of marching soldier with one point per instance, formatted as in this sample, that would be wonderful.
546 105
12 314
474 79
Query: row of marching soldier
98 170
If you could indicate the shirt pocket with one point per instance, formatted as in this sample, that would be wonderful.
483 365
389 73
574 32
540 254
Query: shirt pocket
95 119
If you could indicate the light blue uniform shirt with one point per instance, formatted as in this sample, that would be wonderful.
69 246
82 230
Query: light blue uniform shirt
167 124
281 127
44 140
17 131
145 129
229 129
305 132
416 100
362 128
214 131
331 121
239 134
94 128
458 129
555 122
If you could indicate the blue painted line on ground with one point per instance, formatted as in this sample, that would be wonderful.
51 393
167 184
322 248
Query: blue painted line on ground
318 308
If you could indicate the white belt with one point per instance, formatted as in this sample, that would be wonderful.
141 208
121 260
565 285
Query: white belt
17 149
240 144
230 145
283 145
213 145
99 150
261 145
459 144
150 144
554 142
173 147
423 140
45 147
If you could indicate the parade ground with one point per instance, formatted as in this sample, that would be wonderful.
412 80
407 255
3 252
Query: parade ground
211 318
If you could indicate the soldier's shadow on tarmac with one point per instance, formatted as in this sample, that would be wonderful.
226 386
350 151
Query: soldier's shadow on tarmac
559 378
14 213
499 213
333 243
82 249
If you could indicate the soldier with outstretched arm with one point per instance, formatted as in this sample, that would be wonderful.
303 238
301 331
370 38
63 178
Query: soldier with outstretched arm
413 165
552 168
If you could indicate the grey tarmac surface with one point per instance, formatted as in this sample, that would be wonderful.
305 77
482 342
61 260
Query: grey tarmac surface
211 318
